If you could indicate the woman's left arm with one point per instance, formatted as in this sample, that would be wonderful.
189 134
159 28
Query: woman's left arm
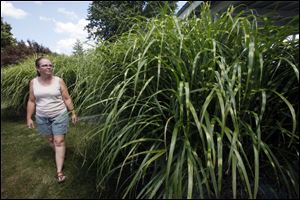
68 100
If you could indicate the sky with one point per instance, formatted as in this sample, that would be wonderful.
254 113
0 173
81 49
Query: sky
54 24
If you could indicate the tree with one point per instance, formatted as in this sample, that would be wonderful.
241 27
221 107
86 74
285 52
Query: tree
13 51
156 8
7 38
106 17
78 48
37 48
111 18
14 54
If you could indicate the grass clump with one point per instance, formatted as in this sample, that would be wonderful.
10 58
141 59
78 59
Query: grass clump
198 108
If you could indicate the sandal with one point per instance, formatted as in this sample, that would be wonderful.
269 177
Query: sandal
60 177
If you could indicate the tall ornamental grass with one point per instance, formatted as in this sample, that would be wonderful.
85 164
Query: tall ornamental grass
82 74
199 108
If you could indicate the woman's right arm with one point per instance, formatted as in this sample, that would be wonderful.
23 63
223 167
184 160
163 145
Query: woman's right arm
30 106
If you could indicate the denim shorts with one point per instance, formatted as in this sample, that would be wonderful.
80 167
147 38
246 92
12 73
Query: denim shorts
57 125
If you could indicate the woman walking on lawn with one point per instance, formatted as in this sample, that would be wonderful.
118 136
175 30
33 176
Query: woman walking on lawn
50 99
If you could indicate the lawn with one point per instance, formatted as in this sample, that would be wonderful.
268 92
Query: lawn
28 167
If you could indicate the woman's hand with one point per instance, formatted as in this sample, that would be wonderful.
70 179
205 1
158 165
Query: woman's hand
30 123
74 118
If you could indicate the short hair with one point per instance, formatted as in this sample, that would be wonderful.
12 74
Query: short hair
38 60
37 63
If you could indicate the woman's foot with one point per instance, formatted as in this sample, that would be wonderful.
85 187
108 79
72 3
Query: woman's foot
60 177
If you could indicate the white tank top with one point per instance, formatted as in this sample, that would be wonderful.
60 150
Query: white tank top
48 99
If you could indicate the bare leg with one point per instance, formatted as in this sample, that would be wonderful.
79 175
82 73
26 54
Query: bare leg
51 141
60 149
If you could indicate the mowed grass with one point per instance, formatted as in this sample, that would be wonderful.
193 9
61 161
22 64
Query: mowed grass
28 167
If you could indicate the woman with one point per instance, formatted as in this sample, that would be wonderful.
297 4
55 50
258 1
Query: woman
50 99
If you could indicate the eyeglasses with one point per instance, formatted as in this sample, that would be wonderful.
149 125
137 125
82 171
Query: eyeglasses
47 65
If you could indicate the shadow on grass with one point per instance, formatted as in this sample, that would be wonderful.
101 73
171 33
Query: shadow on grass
28 164
44 152
80 181
10 114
